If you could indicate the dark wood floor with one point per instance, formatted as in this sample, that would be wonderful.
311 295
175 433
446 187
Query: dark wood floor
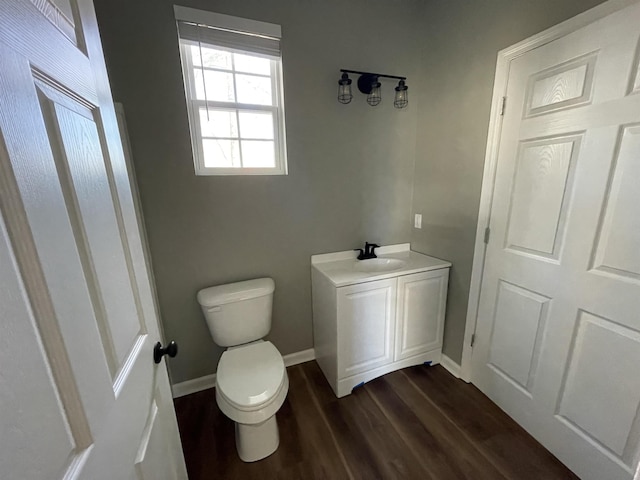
417 423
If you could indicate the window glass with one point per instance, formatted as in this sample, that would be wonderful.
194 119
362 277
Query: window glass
258 154
218 123
254 90
256 125
221 153
212 58
219 86
252 64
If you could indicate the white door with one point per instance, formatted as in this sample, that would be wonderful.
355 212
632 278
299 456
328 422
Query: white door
365 326
558 333
422 299
80 394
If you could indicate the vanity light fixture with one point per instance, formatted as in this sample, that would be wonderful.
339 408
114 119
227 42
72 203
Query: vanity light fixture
369 84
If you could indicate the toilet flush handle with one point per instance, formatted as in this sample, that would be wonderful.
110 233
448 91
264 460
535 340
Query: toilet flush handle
159 352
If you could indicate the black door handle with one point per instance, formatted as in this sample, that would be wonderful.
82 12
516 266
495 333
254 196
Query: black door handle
159 352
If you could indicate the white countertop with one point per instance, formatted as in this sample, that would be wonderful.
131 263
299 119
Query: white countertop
340 267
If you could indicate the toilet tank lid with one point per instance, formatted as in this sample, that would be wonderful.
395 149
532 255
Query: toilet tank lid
235 292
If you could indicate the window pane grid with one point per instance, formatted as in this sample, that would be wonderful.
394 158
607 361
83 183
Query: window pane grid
255 128
238 138
242 87
214 83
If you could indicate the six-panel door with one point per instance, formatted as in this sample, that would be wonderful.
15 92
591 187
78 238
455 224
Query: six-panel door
558 333
80 394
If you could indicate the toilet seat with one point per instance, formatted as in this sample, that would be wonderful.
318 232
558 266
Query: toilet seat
251 382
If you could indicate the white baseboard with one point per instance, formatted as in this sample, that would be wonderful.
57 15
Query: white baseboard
449 365
192 386
209 381
299 357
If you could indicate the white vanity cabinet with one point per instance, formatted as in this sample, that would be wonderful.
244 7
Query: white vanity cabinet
365 326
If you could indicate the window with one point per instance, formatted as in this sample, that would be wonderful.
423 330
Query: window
232 72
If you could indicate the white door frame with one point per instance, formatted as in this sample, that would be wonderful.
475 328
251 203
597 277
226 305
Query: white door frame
491 156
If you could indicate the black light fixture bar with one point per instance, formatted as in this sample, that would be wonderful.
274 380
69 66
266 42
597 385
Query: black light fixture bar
369 84
373 74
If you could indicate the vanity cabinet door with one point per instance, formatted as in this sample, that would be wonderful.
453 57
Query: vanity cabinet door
365 326
420 312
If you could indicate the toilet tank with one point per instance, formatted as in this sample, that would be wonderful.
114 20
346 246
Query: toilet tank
238 313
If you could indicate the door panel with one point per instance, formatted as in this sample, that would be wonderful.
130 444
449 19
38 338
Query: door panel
420 313
151 446
79 312
26 453
562 86
83 173
558 332
602 354
60 14
156 445
518 328
540 196
365 318
618 236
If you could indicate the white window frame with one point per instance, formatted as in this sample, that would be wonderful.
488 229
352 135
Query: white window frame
194 104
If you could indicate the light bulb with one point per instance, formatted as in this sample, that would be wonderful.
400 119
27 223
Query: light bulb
344 89
402 95
375 97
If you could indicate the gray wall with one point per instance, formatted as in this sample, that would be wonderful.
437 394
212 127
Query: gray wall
350 167
460 44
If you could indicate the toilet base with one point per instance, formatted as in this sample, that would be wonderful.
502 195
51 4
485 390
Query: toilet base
257 441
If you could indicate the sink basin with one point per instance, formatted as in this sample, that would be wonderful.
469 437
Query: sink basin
378 265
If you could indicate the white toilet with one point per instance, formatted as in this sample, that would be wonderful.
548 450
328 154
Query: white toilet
251 381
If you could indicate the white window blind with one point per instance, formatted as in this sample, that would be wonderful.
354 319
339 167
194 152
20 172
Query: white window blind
246 42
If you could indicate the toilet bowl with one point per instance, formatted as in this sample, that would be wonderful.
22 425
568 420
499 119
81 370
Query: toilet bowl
251 380
251 385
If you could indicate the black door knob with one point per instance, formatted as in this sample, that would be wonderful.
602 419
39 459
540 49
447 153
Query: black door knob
159 352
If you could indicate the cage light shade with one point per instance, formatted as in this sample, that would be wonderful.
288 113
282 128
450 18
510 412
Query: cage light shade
344 89
374 97
402 95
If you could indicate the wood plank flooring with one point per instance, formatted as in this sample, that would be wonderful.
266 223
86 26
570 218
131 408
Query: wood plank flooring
417 423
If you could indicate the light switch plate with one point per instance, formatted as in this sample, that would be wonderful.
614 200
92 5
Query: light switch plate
417 222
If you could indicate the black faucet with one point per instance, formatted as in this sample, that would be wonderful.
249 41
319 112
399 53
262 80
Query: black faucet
368 252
